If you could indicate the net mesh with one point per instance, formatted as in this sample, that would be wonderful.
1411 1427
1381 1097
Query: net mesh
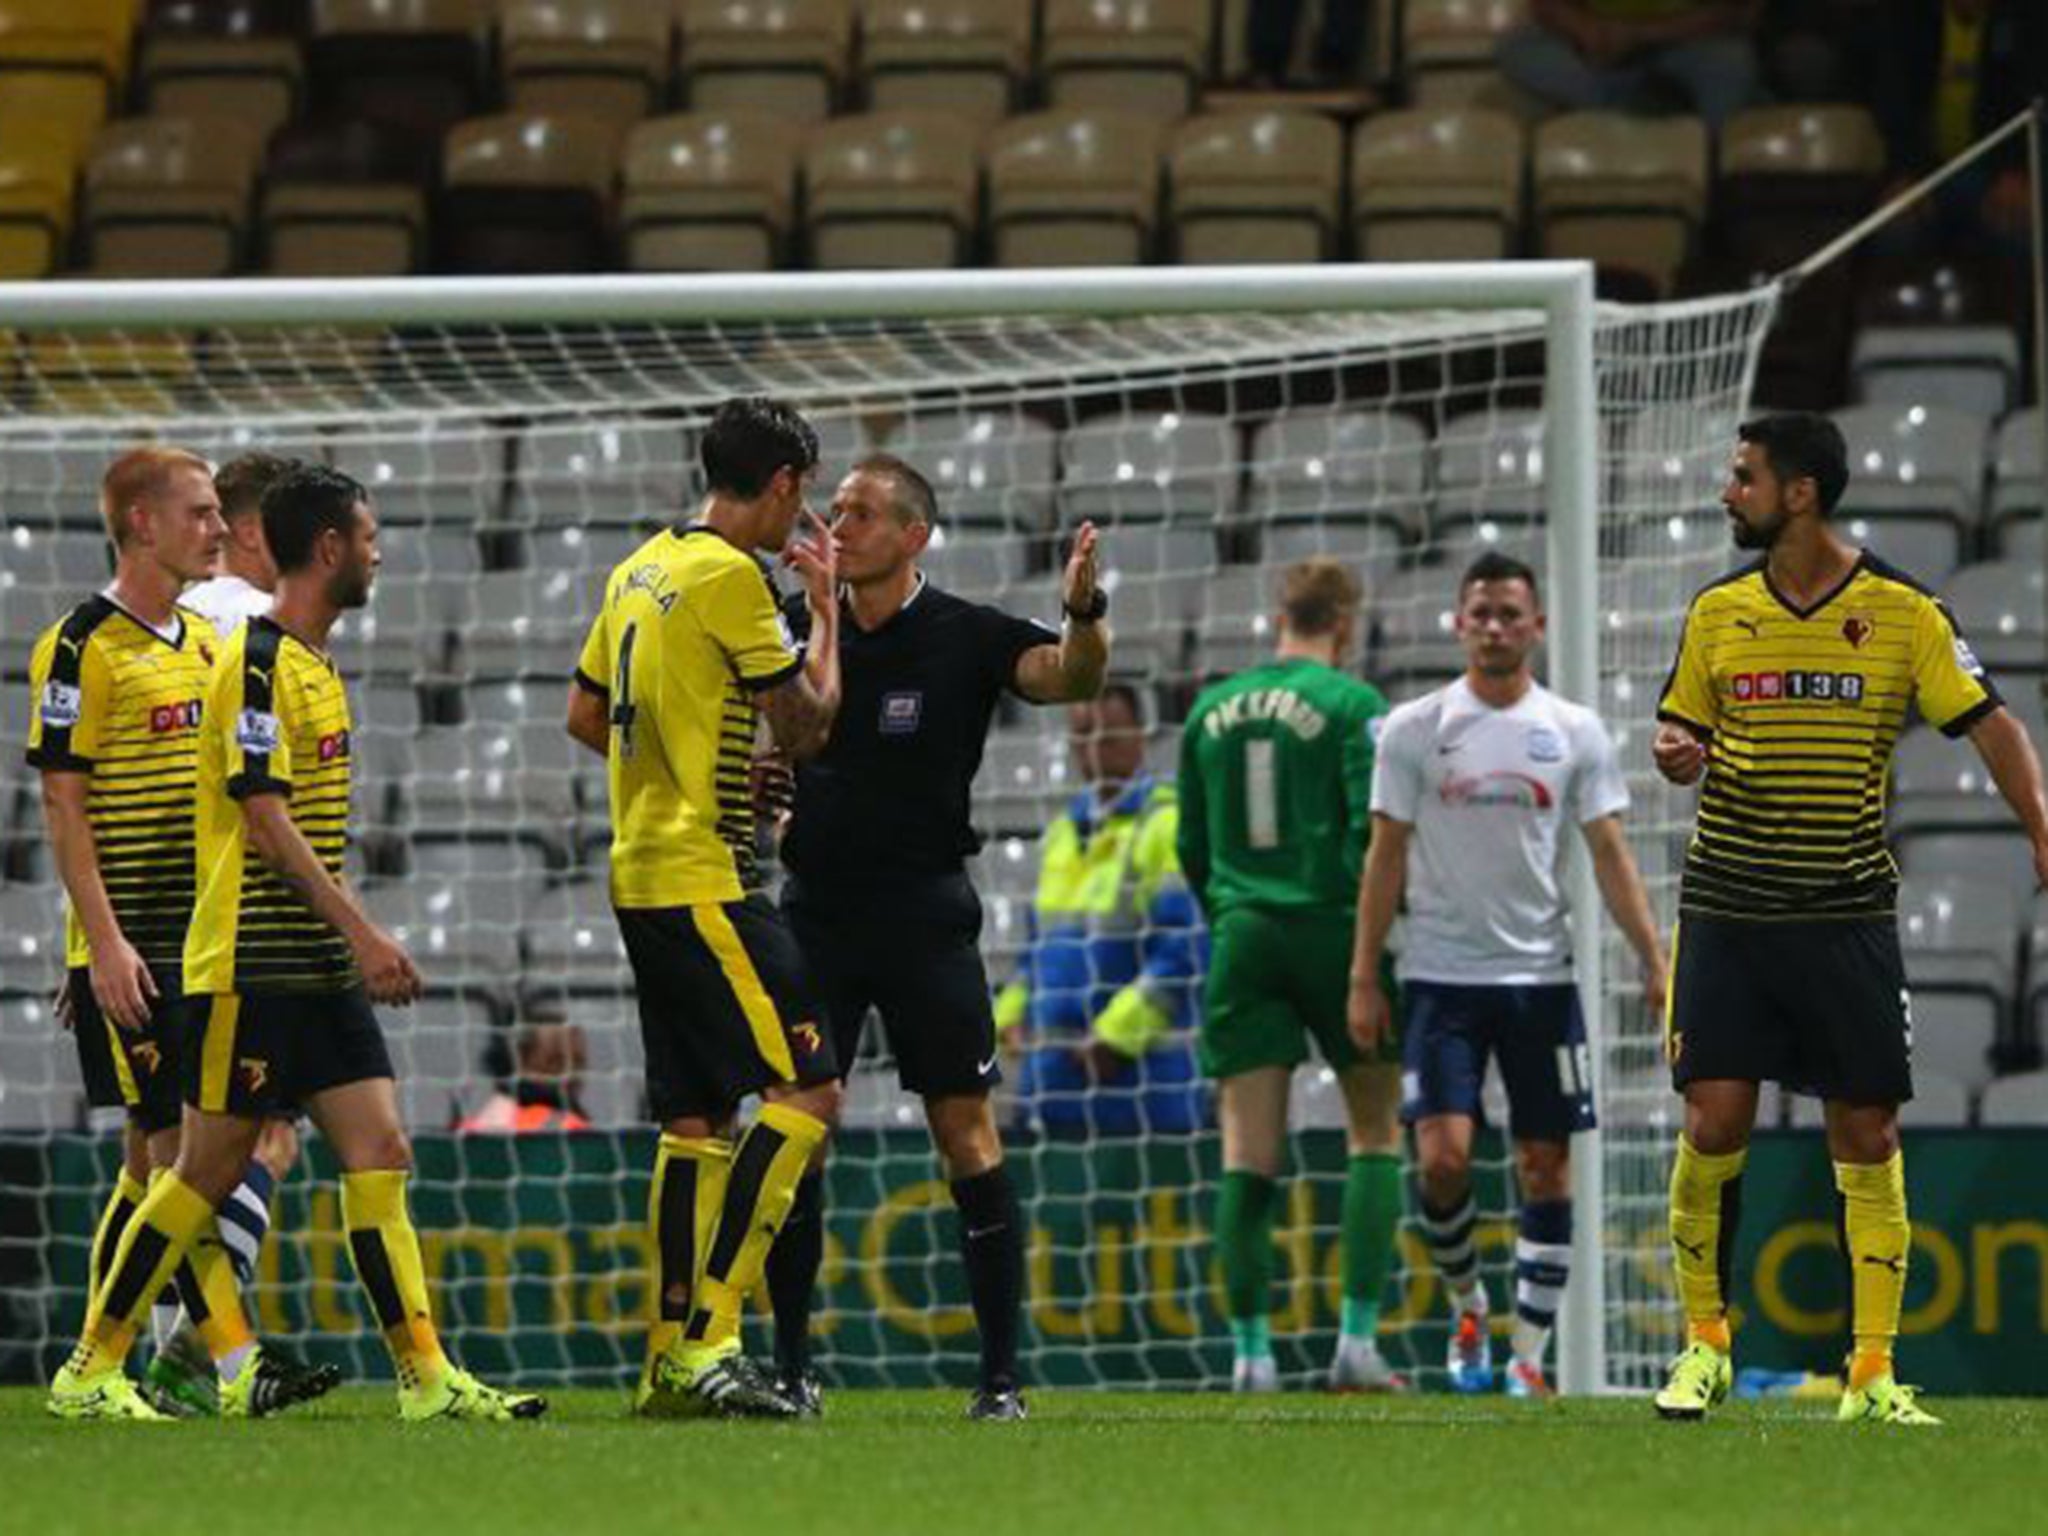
513 466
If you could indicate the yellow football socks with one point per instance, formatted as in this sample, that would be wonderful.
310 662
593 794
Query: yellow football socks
766 1168
106 1239
1880 1238
690 1174
386 1251
163 1230
1706 1196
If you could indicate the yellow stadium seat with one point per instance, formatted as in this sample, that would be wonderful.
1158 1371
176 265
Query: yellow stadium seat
969 57
1447 51
91 373
1073 189
258 80
1141 56
169 197
37 173
607 59
1437 184
1256 186
786 57
891 189
710 192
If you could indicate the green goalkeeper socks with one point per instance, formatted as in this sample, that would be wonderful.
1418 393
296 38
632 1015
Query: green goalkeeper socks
1372 1218
1244 1250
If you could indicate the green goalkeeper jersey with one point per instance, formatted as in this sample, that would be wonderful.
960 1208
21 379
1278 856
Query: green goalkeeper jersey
1276 787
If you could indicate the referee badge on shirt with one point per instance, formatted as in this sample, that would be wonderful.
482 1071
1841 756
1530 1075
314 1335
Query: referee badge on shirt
1544 745
901 713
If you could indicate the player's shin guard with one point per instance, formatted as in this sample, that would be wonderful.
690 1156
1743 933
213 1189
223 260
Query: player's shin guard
1543 1263
1879 1238
1244 1251
793 1265
121 1207
163 1229
386 1251
683 1202
1371 1220
769 1162
992 1249
1706 1206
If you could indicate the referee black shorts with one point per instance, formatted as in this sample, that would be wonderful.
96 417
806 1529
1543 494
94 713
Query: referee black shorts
912 952
726 1006
135 1070
1819 1006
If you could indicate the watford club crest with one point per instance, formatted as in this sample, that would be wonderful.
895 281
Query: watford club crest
147 1056
1856 629
255 1073
807 1036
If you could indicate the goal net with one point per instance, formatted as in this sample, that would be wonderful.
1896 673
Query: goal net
520 439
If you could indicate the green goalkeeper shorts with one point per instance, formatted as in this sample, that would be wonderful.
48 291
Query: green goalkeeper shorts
1276 979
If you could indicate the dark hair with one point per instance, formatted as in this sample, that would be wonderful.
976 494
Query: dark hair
1128 693
915 499
749 440
1317 594
1803 445
1495 566
241 482
303 503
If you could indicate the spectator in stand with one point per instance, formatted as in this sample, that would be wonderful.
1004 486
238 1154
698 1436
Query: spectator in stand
540 1087
1269 31
1637 55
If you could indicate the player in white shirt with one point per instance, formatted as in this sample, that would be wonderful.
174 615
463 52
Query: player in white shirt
247 574
1474 788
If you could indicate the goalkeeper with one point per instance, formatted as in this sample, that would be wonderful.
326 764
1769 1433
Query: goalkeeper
1104 996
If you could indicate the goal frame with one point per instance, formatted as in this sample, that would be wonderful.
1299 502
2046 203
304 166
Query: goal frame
1561 291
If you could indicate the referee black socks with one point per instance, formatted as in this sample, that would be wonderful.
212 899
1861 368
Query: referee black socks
992 1248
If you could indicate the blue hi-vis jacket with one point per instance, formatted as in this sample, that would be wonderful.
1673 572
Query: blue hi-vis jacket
1117 951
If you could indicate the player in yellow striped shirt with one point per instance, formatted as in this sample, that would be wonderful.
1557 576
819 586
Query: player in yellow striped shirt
1790 689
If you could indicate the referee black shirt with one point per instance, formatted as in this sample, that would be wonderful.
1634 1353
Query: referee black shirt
888 797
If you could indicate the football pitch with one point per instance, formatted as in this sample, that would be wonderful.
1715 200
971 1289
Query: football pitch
902 1462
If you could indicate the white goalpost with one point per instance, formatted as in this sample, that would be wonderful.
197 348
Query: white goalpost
520 435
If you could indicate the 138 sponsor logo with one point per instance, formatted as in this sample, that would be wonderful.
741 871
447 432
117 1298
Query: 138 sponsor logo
1777 687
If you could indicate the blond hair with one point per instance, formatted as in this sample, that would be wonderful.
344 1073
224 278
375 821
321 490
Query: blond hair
141 474
1318 594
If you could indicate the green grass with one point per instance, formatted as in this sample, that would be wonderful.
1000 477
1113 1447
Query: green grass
1132 1465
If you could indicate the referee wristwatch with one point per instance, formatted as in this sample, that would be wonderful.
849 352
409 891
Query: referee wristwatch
1098 605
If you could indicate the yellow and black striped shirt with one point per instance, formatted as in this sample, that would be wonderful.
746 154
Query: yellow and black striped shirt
1801 709
118 701
277 724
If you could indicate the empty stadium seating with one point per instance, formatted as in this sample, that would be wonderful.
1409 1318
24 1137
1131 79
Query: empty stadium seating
168 197
966 57
892 189
1627 194
607 59
1073 189
789 58
238 59
527 194
1437 186
710 191
1255 187
1142 56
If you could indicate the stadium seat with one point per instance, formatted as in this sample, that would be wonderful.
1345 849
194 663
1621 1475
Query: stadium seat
37 172
1627 193
1436 185
1489 468
989 468
344 199
53 481
443 473
2018 487
1411 626
1961 935
1349 483
71 561
788 58
1023 779
977 563
967 57
1941 785
603 59
1315 1100
607 474
1999 607
63 66
413 65
518 623
437 1048
1073 189
40 1088
1971 367
1255 187
710 192
1141 56
1792 178
433 554
614 1092
1914 470
526 194
2021 1099
1176 469
31 937
876 1101
133 373
1939 1103
504 781
224 58
168 197
571 940
1448 48
462 933
1999 856
891 189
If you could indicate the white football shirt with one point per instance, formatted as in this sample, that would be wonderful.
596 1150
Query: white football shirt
226 602
1490 793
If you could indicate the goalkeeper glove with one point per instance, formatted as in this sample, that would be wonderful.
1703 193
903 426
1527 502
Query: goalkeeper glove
1131 1022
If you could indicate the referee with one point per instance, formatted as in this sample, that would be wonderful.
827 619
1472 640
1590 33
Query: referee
877 890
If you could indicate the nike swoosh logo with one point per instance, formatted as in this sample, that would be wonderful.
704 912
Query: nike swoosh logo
983 1068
